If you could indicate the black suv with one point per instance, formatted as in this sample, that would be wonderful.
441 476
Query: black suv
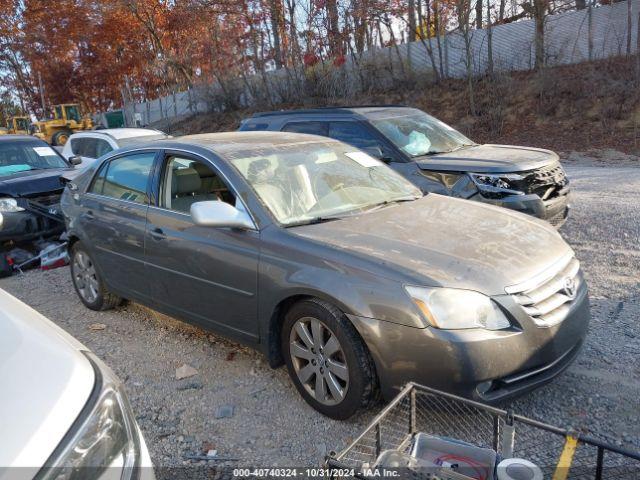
436 157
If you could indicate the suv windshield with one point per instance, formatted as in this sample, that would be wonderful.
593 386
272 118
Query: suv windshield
24 156
420 134
315 181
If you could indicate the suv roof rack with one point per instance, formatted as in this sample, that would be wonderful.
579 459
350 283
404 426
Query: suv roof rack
335 109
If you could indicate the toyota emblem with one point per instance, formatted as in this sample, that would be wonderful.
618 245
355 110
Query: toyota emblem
569 287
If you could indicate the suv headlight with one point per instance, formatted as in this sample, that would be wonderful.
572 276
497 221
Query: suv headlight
454 309
9 205
103 439
500 184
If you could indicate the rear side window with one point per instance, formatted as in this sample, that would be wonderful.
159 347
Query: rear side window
90 147
125 178
313 128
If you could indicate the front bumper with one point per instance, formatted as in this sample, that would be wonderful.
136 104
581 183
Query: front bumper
554 210
25 226
484 365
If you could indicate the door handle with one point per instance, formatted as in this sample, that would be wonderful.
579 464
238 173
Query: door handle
157 234
88 215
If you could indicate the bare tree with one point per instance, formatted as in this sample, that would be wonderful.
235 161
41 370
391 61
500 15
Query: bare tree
463 11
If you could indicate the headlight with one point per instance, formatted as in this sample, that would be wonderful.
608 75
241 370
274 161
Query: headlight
104 437
454 309
8 205
499 184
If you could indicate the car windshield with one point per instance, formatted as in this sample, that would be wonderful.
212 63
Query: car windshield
420 134
316 181
21 156
126 142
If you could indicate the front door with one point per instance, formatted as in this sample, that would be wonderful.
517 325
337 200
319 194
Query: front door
206 275
114 219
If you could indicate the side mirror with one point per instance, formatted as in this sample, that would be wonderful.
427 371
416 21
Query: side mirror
220 214
75 160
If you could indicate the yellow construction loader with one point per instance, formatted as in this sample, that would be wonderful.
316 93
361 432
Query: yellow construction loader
66 120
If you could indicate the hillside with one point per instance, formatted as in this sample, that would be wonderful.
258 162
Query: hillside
578 107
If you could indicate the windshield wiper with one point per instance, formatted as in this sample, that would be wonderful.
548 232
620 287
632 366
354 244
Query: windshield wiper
313 221
378 206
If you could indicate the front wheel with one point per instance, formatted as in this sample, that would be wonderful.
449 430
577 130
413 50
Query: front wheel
60 138
327 360
87 282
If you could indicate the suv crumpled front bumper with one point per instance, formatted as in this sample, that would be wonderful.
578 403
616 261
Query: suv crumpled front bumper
485 365
555 210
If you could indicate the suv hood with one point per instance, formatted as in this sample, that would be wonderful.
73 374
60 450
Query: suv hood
444 241
489 159
26 184
46 381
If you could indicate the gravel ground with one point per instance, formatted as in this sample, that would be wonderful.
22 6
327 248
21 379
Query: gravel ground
271 424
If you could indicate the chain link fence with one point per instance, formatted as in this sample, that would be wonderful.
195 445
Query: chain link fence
571 37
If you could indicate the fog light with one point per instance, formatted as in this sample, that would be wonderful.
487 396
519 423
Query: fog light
485 387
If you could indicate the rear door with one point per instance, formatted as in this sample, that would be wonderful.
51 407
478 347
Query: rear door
113 219
204 274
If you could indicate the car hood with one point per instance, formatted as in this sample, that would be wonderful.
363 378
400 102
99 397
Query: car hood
46 381
489 159
444 241
26 184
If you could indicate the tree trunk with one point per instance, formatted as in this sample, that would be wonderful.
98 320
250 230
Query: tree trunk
489 42
333 28
412 19
275 12
629 27
540 16
479 13
503 4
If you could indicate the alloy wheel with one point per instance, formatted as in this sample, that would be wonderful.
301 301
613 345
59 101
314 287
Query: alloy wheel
319 361
85 278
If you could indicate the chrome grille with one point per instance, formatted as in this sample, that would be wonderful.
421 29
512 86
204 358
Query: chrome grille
547 301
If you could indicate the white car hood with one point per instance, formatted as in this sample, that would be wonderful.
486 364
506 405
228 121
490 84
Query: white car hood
45 382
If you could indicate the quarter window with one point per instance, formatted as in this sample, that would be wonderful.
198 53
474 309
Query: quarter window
126 178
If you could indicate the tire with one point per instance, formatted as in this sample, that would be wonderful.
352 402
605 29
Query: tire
87 282
60 138
349 370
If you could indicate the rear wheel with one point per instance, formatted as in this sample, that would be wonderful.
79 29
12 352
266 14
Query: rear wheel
327 361
60 138
87 282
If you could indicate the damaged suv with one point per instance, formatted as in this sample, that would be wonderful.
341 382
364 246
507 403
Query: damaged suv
437 158
30 189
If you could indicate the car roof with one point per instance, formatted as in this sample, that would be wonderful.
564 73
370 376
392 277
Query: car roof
122 133
233 141
21 138
363 110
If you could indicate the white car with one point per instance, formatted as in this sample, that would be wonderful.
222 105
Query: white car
63 413
92 144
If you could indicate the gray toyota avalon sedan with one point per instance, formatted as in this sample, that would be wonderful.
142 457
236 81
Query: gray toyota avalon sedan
328 261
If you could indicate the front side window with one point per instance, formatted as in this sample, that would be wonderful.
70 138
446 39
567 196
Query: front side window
311 181
21 156
312 128
125 178
419 134
187 181
101 147
353 133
